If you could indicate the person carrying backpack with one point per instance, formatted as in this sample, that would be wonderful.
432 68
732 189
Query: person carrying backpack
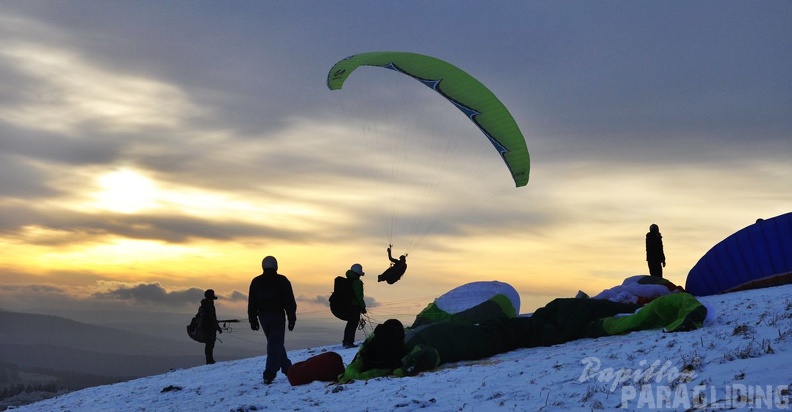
346 302
209 324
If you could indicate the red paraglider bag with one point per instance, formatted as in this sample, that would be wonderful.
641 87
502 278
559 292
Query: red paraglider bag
325 366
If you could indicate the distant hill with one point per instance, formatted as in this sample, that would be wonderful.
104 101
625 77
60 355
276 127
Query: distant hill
60 358
41 348
30 329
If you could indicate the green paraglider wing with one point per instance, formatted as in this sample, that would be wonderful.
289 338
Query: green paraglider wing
477 102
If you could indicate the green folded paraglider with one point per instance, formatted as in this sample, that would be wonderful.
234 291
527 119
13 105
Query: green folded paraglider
560 321
472 303
469 95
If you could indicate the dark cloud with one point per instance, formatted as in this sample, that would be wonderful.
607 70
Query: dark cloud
238 296
80 227
36 289
57 148
319 299
39 297
152 293
21 180
54 298
620 81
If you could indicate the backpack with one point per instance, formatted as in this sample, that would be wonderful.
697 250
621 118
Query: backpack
325 367
195 329
342 295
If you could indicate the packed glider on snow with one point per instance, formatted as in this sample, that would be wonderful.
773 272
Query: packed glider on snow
471 303
757 256
477 102
639 289
560 321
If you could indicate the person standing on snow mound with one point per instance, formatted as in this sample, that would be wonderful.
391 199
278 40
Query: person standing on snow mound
655 257
209 324
270 303
396 270
354 308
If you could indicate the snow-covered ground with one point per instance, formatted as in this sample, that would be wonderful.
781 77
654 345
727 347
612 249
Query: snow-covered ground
740 360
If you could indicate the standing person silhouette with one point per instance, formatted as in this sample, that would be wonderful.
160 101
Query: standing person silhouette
355 307
270 303
655 257
209 324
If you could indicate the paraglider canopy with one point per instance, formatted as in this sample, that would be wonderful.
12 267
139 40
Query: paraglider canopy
759 255
469 95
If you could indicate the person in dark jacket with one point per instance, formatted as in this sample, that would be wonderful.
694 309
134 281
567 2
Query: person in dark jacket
655 257
386 349
357 306
210 325
396 269
270 304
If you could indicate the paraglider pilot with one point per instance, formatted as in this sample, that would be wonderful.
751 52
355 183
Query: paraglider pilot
396 270
210 325
270 305
655 257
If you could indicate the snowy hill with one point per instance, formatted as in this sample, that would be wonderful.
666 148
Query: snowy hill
739 360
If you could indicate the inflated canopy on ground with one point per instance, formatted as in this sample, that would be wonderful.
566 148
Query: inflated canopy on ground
756 256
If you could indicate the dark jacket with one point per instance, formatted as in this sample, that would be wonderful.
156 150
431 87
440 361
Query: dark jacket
386 348
210 325
654 247
271 293
399 266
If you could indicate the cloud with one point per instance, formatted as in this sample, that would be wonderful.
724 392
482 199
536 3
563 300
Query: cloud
371 302
152 293
237 296
317 299
324 300
155 293
71 92
35 289
38 297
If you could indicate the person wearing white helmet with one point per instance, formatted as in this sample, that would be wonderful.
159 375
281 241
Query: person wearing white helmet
355 307
270 304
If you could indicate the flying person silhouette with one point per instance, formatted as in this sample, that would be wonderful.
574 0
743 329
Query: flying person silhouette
396 269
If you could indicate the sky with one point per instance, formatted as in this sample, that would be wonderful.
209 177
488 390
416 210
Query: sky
149 151
729 364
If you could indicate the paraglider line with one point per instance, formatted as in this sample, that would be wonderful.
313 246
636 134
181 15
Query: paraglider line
468 111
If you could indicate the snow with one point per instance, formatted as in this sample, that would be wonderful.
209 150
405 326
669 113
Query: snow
739 360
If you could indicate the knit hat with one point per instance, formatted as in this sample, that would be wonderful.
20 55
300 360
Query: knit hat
269 262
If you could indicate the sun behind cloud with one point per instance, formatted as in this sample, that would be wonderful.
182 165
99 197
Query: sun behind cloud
125 191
